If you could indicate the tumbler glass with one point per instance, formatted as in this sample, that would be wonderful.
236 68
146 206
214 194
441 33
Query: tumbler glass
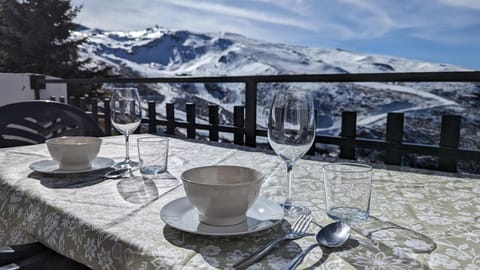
347 191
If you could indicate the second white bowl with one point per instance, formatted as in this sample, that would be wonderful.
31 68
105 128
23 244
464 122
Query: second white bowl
74 152
222 194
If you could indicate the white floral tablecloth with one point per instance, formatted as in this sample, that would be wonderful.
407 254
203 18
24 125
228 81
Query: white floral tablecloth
419 220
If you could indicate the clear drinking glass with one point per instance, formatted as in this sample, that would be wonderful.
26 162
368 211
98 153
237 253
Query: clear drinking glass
126 115
153 156
348 188
291 132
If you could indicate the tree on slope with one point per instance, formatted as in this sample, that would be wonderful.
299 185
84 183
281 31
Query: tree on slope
35 36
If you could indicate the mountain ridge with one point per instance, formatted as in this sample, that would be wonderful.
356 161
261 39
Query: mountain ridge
221 53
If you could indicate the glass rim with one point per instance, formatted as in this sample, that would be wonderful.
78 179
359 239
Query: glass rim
358 167
152 139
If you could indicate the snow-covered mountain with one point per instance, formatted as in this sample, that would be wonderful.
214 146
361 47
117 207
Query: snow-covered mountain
158 52
161 52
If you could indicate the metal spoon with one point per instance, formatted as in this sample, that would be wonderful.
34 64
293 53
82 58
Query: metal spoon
332 235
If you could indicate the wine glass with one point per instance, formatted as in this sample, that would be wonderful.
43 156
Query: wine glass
126 115
291 132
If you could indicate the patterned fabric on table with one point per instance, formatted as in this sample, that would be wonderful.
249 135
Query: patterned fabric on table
419 220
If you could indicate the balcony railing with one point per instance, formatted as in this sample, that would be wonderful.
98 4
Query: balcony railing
245 129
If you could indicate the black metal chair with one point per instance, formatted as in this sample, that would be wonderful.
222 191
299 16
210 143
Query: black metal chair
32 122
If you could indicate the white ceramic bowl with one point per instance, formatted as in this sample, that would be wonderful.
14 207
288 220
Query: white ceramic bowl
222 194
74 152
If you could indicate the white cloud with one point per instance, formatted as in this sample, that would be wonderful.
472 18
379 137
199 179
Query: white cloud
468 4
365 18
299 7
245 13
286 20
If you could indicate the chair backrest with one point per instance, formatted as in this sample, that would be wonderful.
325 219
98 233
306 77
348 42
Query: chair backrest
32 122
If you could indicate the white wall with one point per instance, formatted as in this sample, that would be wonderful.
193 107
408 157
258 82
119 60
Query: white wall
15 87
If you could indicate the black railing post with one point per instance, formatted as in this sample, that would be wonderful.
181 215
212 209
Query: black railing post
152 117
349 131
190 109
82 103
94 105
37 83
107 113
238 121
393 156
251 112
449 139
170 111
213 121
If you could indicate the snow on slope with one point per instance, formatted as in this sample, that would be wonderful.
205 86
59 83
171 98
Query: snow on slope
181 52
157 52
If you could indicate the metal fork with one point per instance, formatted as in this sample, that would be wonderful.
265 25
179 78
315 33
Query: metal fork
298 230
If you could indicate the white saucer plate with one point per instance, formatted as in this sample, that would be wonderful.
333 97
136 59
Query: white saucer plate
50 166
181 215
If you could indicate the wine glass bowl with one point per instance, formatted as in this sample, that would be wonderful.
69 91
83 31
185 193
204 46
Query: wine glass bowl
126 115
291 133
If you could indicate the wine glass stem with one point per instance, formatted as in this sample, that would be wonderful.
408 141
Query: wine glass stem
288 200
127 152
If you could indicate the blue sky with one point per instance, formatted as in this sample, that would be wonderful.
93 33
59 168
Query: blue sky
441 31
